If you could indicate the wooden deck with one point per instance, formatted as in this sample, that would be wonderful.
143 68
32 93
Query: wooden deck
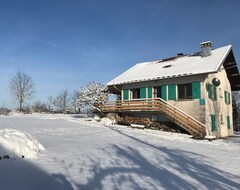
187 122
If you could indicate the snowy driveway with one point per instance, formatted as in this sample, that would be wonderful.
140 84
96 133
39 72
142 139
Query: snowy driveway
88 155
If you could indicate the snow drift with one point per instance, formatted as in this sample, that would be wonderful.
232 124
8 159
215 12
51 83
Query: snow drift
17 144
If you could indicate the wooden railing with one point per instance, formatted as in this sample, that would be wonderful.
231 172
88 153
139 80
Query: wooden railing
187 122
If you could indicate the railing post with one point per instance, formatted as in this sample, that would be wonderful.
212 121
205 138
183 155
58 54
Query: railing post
174 114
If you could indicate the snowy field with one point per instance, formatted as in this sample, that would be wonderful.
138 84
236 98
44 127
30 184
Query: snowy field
82 154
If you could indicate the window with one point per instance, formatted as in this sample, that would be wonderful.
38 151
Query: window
141 93
136 93
227 97
160 92
212 92
157 92
185 91
154 117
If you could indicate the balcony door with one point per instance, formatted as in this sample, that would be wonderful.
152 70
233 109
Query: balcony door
136 93
157 92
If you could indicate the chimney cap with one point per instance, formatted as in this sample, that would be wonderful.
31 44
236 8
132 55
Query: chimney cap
180 54
206 44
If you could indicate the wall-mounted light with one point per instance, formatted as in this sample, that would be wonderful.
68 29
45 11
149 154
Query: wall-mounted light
216 82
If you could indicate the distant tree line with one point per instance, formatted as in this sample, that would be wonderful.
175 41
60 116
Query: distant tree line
78 100
22 90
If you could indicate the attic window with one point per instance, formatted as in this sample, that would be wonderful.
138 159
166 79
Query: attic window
166 66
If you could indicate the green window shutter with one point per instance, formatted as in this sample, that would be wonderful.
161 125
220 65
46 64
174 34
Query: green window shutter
143 92
215 93
229 101
213 122
164 92
172 92
149 92
125 94
225 96
209 91
228 122
196 90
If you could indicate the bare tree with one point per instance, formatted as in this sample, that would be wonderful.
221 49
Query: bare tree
61 101
39 107
74 98
21 88
50 103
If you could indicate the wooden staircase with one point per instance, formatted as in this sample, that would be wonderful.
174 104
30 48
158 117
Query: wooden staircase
187 122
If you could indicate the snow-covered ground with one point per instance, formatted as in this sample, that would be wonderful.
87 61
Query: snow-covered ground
85 154
16 144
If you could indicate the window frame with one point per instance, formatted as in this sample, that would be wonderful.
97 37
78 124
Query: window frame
135 93
185 91
157 90
212 92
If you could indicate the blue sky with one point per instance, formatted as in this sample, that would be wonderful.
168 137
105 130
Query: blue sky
68 43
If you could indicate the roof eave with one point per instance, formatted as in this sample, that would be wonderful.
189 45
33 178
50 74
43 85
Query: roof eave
232 71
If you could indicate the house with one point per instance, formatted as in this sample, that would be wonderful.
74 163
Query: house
190 90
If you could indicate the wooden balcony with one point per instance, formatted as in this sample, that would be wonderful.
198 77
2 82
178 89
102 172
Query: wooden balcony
187 122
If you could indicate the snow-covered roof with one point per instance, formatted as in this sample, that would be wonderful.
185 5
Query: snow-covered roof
181 65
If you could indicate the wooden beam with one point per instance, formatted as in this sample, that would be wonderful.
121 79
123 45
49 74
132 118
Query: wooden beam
236 85
230 63
233 75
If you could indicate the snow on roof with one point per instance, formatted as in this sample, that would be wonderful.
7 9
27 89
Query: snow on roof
181 65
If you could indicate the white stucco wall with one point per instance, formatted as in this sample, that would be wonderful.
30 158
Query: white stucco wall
218 107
